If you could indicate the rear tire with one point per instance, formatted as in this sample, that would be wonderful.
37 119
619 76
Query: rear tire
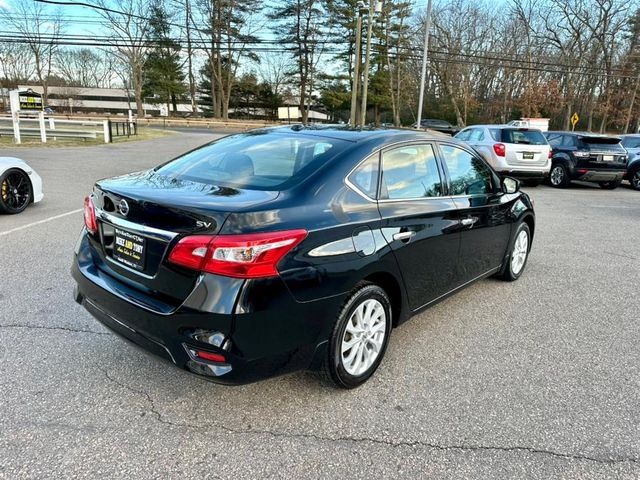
15 191
634 178
518 254
559 176
359 337
610 185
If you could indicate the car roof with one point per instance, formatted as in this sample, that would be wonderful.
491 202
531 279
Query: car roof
357 135
584 134
500 125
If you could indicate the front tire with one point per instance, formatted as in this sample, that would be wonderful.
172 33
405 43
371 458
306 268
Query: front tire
610 185
359 338
559 176
519 254
634 179
15 191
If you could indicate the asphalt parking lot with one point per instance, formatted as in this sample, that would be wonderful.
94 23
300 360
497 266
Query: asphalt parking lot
534 379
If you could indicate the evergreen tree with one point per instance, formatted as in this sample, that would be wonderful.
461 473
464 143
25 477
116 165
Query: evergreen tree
163 76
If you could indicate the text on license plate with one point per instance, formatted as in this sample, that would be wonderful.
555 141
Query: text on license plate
129 248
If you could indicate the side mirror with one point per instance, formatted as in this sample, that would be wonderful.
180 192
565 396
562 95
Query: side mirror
510 185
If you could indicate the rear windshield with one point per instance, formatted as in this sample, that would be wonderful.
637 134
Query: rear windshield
256 160
527 137
600 140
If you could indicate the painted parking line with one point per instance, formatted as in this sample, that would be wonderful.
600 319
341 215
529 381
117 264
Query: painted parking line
40 222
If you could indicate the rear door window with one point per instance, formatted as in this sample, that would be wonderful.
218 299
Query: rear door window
521 136
467 173
410 172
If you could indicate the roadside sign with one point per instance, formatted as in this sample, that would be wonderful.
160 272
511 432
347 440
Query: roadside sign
30 101
574 119
164 111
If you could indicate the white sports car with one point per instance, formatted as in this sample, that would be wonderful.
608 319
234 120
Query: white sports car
20 185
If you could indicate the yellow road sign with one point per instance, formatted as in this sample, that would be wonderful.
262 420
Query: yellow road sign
574 119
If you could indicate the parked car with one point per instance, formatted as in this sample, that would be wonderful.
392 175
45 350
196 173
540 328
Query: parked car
632 144
523 153
441 126
49 111
20 185
588 157
294 247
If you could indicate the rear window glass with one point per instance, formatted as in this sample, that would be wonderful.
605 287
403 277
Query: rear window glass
527 137
631 142
256 160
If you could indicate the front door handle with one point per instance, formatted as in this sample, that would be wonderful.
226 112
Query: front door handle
404 236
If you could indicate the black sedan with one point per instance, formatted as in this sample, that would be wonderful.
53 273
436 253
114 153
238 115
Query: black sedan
296 247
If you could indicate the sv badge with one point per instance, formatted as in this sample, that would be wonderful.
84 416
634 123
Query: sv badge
201 224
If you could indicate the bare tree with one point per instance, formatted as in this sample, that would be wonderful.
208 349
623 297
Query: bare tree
39 28
12 65
230 29
128 27
85 67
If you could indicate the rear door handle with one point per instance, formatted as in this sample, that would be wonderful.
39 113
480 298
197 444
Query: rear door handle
404 236
467 222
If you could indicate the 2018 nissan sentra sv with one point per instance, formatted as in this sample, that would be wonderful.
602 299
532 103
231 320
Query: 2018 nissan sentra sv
294 247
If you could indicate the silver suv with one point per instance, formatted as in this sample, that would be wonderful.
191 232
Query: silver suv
523 153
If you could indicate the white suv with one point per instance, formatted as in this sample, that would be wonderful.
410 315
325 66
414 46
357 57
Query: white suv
519 152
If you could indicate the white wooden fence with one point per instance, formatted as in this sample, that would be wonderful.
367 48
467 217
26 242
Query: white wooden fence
50 127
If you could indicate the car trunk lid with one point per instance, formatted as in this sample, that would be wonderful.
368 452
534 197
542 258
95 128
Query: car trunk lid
601 153
141 216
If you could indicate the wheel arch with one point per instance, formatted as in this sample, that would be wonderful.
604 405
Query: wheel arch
391 285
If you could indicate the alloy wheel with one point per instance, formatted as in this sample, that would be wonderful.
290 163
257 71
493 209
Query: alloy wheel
557 175
635 180
363 337
520 250
15 191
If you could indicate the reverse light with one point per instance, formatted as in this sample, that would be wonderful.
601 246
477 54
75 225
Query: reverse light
500 149
253 255
90 215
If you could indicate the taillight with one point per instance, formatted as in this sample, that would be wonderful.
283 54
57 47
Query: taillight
90 215
500 149
550 154
252 255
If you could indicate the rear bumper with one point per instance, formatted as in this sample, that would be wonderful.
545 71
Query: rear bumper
539 174
273 335
599 175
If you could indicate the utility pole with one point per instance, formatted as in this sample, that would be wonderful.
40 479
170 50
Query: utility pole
353 119
365 86
425 55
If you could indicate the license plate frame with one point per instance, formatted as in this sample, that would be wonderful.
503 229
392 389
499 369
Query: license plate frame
528 155
607 158
129 248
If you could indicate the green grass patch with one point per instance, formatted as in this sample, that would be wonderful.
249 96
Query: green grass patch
143 134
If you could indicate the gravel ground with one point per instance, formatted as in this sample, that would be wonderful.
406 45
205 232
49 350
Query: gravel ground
534 379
